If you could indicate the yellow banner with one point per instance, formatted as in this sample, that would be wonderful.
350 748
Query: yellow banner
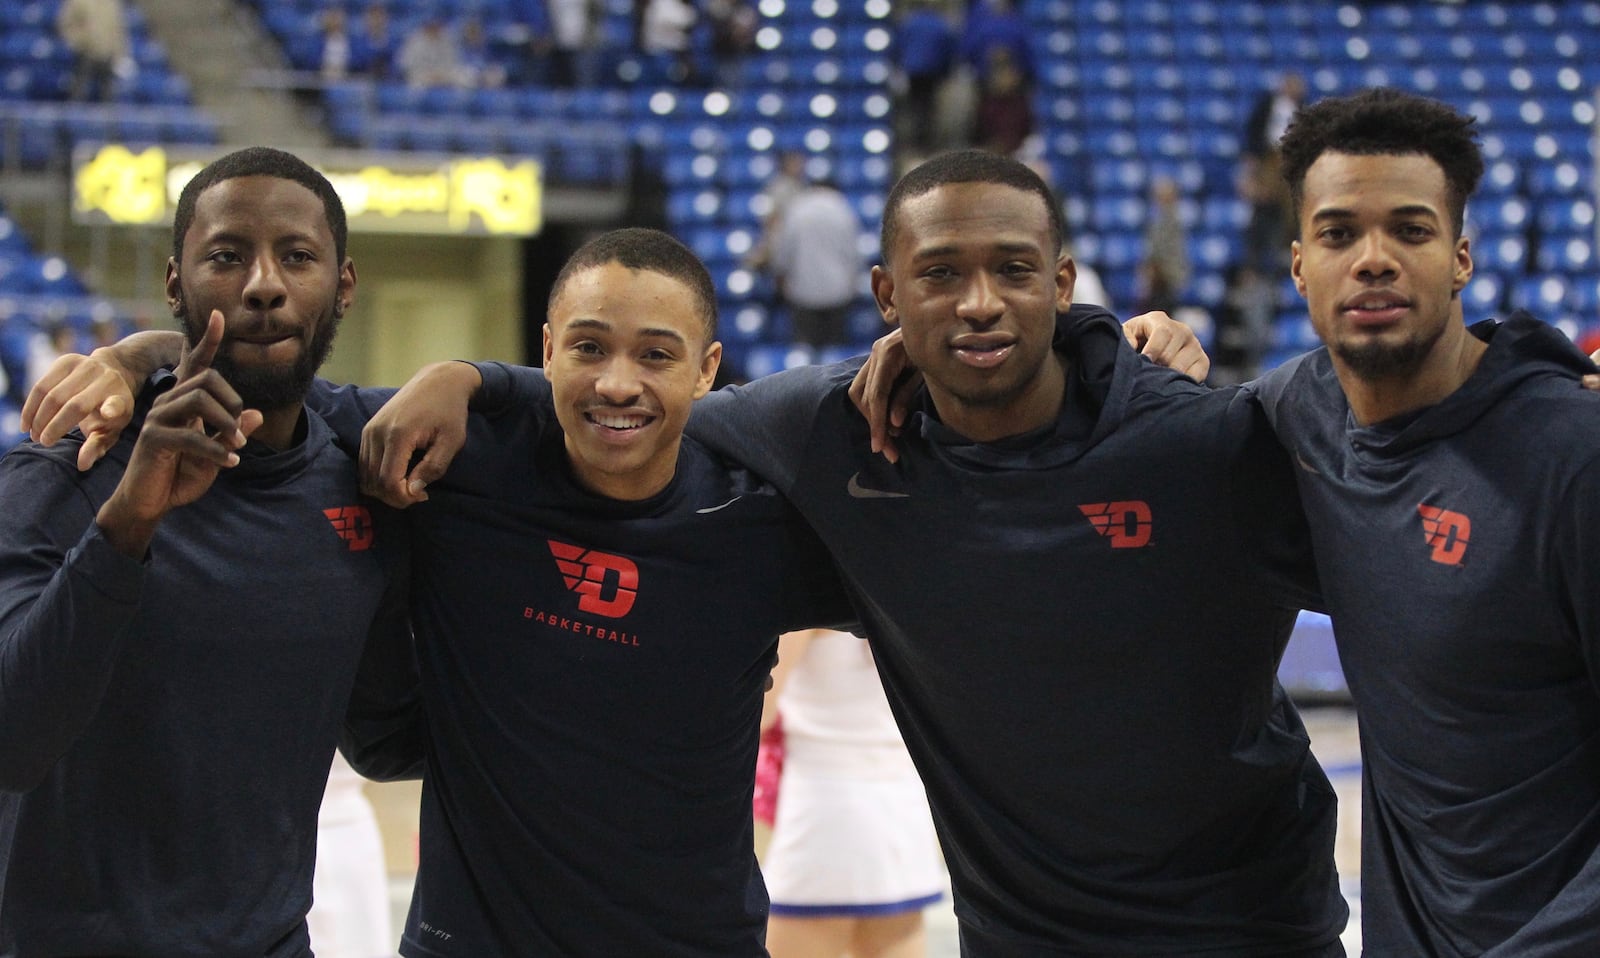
393 193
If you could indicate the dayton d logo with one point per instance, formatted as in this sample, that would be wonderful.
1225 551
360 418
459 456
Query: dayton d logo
353 524
585 572
1448 532
1126 524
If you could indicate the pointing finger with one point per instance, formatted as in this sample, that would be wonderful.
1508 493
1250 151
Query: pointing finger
199 357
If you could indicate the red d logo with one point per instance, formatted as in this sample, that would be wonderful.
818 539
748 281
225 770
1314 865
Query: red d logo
590 573
1126 524
1447 532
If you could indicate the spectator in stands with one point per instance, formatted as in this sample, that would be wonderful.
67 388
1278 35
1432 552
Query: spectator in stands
783 186
96 31
1244 325
1164 272
1270 231
733 35
925 54
817 263
372 51
995 24
103 332
479 66
1004 119
572 44
430 57
335 61
664 38
1088 287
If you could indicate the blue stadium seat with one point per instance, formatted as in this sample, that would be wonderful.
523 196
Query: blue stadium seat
1484 296
1584 294
1563 178
765 359
1510 214
744 321
1566 253
1504 252
1541 295
1120 251
1293 332
1560 215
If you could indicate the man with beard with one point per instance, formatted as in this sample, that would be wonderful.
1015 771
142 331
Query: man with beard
181 625
1451 478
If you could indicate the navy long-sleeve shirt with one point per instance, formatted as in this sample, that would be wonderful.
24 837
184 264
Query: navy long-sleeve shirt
592 675
166 726
1460 561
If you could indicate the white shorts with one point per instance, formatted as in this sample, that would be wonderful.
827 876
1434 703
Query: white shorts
853 836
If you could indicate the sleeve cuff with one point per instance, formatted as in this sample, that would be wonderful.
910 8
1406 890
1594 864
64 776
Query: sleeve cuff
498 391
109 572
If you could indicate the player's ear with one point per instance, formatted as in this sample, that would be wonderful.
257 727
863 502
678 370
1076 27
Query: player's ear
883 295
1066 280
709 363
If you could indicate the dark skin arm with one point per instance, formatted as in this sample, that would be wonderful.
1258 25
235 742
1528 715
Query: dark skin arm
188 437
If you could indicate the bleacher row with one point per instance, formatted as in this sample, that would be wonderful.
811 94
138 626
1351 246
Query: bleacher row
1131 91
39 124
819 81
43 304
1128 91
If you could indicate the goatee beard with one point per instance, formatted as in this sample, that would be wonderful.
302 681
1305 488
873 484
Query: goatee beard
271 387
1376 361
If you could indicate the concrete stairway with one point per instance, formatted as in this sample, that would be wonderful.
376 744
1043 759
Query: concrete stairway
223 49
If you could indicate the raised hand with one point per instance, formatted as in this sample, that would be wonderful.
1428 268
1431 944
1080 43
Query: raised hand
188 437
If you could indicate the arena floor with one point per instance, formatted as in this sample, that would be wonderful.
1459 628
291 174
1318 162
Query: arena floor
1333 739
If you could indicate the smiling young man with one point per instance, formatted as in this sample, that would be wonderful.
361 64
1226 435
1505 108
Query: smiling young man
1112 766
597 603
181 624
1451 478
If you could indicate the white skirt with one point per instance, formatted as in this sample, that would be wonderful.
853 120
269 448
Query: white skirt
853 836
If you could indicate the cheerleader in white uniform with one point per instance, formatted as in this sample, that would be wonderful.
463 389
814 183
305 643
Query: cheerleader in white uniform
350 891
853 860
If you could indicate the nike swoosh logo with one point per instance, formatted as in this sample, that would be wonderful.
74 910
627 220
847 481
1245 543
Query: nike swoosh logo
710 509
1299 459
858 491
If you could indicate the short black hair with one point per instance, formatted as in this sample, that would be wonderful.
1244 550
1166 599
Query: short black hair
639 248
1384 122
259 161
966 166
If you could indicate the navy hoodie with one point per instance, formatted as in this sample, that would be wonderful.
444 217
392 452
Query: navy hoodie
1459 550
1078 630
166 726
